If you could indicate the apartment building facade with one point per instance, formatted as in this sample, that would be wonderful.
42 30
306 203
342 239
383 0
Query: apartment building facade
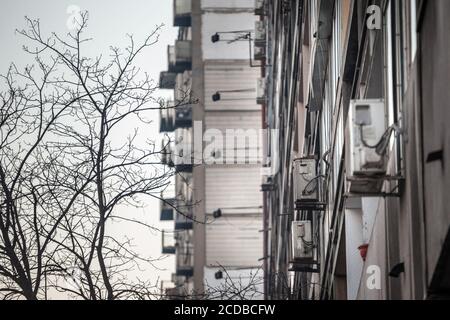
217 204
356 99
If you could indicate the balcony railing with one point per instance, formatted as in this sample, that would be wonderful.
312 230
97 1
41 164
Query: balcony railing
176 293
167 80
168 243
182 155
180 56
166 152
167 210
184 218
183 116
182 13
185 263
167 118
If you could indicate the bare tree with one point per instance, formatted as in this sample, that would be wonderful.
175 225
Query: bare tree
28 115
73 161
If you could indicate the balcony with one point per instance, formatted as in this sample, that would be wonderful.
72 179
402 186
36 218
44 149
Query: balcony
167 118
168 243
260 8
180 56
185 262
174 294
166 153
177 280
183 116
261 91
167 80
167 209
182 13
183 219
260 34
182 154
185 213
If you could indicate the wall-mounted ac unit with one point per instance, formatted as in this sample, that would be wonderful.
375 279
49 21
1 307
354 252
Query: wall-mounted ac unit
261 91
367 128
302 242
259 7
260 34
306 183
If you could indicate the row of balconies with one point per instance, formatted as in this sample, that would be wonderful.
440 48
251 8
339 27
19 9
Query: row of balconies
180 54
176 117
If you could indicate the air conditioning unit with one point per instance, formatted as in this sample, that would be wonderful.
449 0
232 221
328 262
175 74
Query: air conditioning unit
367 128
260 34
306 183
261 91
302 242
260 7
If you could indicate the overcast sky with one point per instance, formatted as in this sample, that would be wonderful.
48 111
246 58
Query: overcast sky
109 22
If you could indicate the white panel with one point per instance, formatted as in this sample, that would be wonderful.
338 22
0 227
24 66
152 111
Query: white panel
233 120
249 282
223 77
233 189
234 241
236 135
213 23
237 4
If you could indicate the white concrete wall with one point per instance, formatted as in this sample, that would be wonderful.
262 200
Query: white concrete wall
230 4
234 241
219 22
353 239
375 266
240 278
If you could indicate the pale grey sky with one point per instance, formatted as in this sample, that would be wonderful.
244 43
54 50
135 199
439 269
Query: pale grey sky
109 22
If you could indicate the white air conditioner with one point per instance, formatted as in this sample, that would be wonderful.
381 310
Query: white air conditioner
259 7
302 242
261 91
367 127
306 182
260 34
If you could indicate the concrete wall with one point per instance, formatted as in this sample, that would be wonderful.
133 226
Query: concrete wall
199 171
222 22
435 65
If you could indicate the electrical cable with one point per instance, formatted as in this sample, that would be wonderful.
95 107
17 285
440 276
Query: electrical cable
381 146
